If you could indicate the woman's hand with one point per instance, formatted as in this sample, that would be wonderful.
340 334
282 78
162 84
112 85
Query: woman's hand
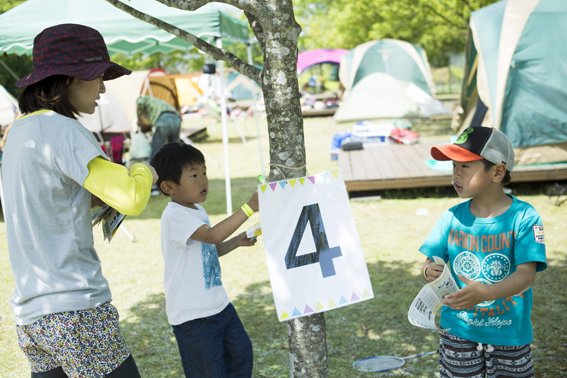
95 201
154 173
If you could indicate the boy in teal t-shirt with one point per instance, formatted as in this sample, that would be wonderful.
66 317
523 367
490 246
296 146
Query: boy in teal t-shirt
494 245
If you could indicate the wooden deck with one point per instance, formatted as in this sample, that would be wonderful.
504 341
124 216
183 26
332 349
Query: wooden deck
396 166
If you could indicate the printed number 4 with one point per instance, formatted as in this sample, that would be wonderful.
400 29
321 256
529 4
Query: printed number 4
323 254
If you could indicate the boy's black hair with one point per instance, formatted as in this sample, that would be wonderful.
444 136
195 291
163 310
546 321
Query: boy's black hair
487 165
172 158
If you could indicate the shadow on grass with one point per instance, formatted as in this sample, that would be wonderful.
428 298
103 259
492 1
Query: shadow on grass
369 328
375 327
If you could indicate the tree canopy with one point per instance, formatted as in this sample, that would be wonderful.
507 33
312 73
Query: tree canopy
439 26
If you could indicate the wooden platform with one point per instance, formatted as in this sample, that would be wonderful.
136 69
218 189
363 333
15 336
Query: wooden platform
396 166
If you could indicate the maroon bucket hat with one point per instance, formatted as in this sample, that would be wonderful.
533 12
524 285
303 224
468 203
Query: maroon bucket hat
71 50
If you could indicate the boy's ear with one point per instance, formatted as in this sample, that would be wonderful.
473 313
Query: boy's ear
167 187
499 172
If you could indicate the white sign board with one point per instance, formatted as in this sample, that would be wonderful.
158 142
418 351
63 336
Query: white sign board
314 255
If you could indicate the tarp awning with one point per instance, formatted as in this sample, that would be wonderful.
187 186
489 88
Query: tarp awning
122 32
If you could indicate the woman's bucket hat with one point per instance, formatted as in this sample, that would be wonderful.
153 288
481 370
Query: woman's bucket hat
72 50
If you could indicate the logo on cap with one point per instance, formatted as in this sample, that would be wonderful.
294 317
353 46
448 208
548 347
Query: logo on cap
93 59
464 135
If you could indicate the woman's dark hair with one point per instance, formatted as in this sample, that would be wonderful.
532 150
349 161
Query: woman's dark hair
487 165
51 93
172 158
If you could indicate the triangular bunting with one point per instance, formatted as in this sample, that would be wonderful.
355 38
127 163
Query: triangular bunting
354 297
319 306
301 180
282 184
284 315
331 303
295 312
292 182
273 186
263 187
366 294
307 309
343 300
312 179
335 172
324 176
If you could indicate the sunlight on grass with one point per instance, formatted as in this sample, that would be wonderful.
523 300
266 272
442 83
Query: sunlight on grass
390 233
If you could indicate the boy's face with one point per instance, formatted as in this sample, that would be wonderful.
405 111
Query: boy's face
193 186
470 178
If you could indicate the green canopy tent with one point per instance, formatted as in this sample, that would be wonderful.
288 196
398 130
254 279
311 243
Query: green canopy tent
124 33
516 79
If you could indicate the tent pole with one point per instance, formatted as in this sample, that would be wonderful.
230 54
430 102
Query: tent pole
220 65
9 70
251 62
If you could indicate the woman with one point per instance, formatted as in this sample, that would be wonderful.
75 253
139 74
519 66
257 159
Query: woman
53 172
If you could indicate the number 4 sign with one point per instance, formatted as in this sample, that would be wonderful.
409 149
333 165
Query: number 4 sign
314 255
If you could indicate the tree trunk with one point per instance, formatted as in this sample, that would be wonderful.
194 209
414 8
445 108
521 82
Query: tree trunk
307 335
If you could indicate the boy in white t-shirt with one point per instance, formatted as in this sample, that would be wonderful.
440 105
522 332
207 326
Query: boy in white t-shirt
211 338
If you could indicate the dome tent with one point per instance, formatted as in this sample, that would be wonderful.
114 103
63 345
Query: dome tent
515 77
387 79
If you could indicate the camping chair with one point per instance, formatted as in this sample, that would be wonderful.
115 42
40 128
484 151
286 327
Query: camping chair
214 111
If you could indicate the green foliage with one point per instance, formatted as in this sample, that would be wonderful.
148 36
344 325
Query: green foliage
439 26
20 65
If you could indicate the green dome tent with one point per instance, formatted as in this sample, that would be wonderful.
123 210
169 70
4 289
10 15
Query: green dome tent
516 79
387 79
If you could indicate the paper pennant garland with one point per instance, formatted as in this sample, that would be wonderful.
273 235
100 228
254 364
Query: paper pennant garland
354 297
307 309
301 180
319 306
324 176
312 179
343 300
366 294
335 172
282 184
331 303
273 186
284 315
292 182
295 312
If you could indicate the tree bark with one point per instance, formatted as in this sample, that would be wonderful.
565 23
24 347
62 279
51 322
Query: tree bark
277 31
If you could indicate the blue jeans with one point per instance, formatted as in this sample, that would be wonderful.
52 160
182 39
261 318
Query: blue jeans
165 130
215 347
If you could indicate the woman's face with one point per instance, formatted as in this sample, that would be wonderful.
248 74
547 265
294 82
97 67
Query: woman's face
83 94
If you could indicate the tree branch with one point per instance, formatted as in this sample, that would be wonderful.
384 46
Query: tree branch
218 54
256 28
443 17
468 4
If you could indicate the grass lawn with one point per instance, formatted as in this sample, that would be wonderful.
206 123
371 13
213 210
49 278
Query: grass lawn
390 233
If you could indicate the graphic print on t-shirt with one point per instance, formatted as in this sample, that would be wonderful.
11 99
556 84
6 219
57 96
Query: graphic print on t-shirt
211 265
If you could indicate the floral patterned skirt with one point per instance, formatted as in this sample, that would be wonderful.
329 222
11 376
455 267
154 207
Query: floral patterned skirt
85 343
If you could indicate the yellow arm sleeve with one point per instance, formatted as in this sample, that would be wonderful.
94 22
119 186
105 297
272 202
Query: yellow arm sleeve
127 192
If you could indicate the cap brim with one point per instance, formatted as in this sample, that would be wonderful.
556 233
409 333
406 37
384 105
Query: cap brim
111 71
453 152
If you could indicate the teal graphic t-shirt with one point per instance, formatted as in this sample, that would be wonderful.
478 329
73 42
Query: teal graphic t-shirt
488 250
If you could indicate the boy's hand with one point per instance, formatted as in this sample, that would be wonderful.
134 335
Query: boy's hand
243 240
474 293
433 272
253 203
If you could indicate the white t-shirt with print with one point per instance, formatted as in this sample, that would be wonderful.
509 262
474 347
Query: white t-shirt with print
192 273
